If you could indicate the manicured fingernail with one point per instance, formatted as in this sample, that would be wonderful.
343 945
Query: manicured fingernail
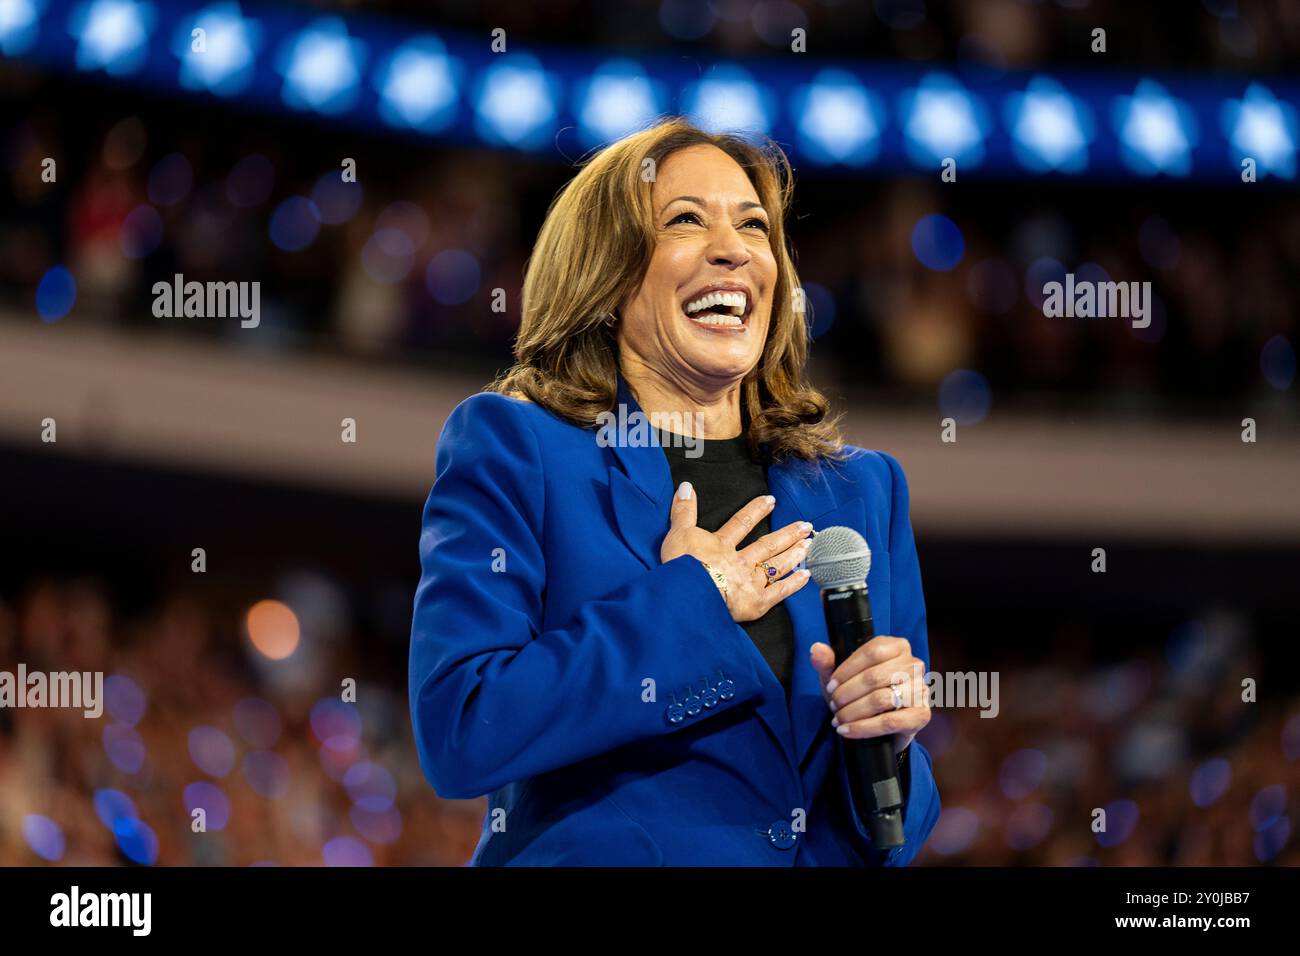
684 490
830 688
805 526
770 499
842 730
835 721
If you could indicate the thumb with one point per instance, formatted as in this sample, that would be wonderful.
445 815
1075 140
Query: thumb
683 512
822 659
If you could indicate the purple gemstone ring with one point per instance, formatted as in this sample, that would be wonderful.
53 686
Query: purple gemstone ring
769 573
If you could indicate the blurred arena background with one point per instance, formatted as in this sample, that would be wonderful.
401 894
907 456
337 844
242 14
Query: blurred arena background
1120 690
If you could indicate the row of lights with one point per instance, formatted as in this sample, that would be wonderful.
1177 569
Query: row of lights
836 117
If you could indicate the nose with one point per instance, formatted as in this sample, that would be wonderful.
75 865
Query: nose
726 247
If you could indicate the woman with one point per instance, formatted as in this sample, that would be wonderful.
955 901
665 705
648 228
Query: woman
611 636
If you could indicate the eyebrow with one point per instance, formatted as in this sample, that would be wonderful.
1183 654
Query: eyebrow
700 202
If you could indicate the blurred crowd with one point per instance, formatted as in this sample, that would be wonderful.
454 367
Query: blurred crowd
285 773
1185 772
1219 34
406 262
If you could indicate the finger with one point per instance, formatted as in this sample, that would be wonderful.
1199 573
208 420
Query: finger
782 563
743 521
774 543
783 589
908 720
822 658
868 705
876 651
905 672
683 511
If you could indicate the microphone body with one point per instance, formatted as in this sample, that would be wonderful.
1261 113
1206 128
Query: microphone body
872 766
871 763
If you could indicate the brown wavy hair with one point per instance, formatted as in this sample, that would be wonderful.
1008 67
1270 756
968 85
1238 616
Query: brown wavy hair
592 253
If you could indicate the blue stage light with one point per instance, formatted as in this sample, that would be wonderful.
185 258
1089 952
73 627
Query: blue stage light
1121 820
965 396
228 56
417 85
212 800
336 202
137 841
212 751
937 242
321 67
515 103
111 35
56 294
1264 128
124 700
1209 781
19 25
1050 129
294 224
112 805
124 747
617 100
43 835
347 851
941 120
1156 131
729 100
452 276
358 70
839 119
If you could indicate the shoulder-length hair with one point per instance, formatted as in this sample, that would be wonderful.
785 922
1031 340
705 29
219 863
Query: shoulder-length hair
592 253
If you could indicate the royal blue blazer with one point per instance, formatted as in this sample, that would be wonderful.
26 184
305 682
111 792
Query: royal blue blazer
606 703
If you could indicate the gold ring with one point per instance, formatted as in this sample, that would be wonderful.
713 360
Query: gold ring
769 573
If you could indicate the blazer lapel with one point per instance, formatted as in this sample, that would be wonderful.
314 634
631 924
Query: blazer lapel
640 486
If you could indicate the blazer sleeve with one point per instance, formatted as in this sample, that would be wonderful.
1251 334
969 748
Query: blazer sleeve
494 697
921 799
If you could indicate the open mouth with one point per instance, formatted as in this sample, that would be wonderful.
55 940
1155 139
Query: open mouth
720 311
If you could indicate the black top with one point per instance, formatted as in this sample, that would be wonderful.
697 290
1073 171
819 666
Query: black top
725 480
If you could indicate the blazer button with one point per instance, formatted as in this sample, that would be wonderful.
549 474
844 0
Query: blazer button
693 703
726 688
781 835
710 696
676 713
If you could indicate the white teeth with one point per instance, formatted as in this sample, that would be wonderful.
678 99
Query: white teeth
732 320
735 301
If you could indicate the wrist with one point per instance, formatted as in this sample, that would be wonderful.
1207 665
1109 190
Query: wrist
718 576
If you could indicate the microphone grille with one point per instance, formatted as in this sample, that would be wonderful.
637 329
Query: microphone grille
838 556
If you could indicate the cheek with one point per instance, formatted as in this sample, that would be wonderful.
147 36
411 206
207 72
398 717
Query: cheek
766 267
670 266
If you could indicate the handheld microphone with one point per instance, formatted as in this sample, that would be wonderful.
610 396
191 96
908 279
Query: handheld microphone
838 560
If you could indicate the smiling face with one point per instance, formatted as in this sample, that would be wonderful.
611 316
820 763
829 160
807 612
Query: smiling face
701 314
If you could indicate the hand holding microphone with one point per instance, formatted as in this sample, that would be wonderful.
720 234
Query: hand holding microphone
877 692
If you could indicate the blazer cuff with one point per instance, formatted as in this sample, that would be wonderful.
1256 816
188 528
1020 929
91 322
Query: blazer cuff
916 779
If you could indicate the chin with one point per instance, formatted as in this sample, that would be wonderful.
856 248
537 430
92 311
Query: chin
719 366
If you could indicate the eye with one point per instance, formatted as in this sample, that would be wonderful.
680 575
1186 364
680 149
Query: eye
758 222
683 215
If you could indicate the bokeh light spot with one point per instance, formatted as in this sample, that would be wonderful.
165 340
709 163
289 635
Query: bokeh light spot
273 629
